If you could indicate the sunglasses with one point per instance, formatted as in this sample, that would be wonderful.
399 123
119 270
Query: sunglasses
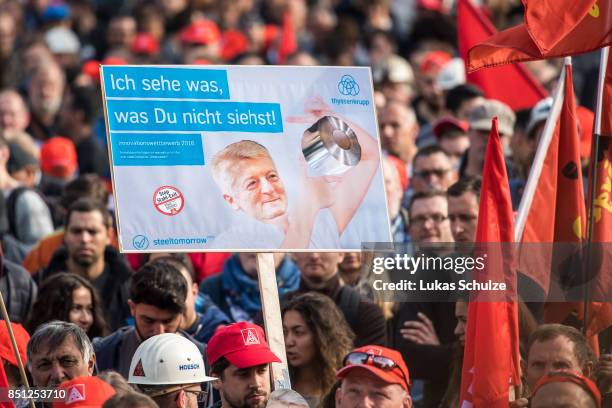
384 363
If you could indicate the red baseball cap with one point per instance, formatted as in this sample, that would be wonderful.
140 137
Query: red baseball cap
58 157
144 43
449 122
243 344
6 347
202 32
565 376
397 375
434 61
85 392
233 43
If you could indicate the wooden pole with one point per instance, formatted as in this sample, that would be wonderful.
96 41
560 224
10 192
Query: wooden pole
272 319
5 316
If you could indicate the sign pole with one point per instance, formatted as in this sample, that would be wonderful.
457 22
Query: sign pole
272 319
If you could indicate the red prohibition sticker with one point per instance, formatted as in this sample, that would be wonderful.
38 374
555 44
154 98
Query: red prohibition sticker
168 200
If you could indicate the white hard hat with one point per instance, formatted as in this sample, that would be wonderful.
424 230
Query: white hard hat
167 359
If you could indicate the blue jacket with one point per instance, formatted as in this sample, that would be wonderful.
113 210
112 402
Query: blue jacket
108 348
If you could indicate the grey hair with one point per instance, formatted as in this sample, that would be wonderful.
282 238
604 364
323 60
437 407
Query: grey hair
52 334
287 396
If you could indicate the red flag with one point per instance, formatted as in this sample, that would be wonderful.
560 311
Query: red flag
558 187
563 15
491 355
4 385
516 44
513 84
600 314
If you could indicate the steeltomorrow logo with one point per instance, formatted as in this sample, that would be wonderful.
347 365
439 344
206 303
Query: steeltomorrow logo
348 86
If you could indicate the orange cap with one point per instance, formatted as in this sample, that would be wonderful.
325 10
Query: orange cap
85 392
6 347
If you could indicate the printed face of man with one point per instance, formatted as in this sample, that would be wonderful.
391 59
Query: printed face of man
257 189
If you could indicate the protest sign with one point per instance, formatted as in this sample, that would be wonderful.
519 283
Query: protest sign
244 158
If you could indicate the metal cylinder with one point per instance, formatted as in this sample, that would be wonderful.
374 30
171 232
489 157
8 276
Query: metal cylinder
330 147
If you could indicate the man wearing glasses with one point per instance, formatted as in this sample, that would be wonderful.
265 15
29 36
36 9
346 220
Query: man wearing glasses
170 369
374 376
428 217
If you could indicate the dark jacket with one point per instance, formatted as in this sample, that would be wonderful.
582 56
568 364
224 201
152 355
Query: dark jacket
112 285
363 316
19 291
426 362
209 317
108 348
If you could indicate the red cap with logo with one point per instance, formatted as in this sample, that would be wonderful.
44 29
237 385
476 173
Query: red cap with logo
398 374
85 392
243 344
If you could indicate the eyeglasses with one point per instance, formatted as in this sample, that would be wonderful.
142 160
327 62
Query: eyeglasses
384 363
422 219
433 172
200 395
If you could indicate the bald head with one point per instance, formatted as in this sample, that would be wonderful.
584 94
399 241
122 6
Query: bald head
562 395
398 130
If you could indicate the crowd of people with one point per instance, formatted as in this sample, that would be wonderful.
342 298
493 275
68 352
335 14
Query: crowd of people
176 330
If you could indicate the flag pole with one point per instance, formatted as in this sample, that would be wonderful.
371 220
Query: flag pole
540 156
603 62
7 321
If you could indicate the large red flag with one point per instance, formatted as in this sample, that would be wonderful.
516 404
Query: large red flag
517 44
557 211
491 355
563 15
600 316
512 84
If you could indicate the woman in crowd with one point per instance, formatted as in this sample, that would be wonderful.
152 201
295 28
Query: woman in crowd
316 338
70 298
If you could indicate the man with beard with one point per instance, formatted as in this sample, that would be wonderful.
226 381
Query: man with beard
239 356
87 252
58 352
158 292
45 92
